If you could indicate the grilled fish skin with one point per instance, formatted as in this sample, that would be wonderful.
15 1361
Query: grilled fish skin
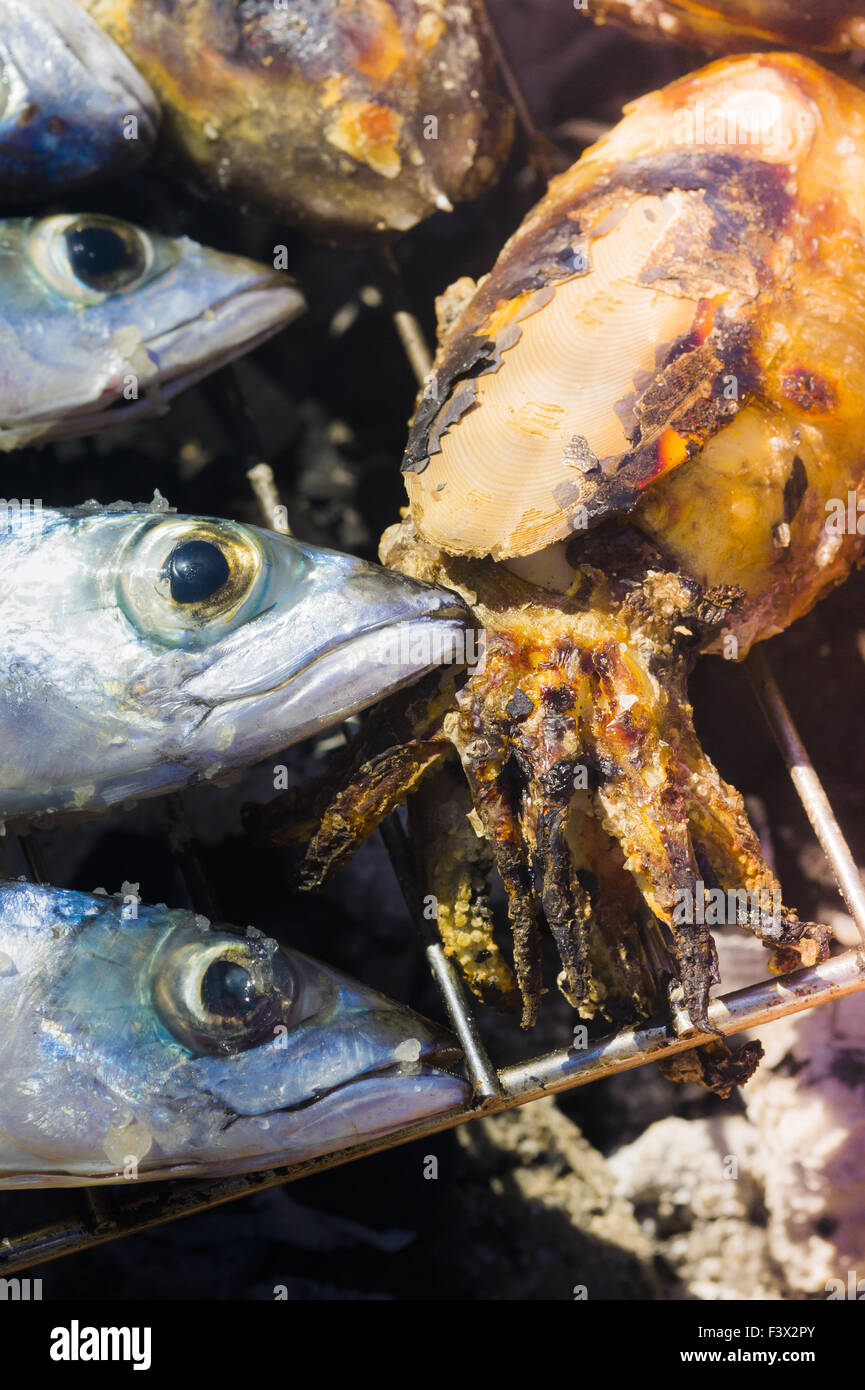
354 119
138 1043
141 651
101 321
72 106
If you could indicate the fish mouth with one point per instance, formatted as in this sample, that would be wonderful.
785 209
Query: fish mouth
363 1109
105 64
250 314
436 1060
449 620
302 678
388 1096
343 678
184 355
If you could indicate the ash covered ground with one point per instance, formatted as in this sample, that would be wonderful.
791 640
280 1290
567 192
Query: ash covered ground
622 1188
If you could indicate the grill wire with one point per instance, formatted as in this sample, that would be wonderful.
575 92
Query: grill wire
99 1215
103 1214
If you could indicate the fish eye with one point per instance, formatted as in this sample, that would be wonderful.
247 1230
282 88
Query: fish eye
197 570
104 257
89 258
186 582
228 990
218 994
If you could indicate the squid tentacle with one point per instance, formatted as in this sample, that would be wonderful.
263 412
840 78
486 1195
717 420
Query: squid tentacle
658 851
484 765
566 905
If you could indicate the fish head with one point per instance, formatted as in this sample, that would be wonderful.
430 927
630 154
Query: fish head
169 649
299 1058
139 1042
72 106
101 321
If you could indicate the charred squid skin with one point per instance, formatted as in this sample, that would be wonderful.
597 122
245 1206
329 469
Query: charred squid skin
676 332
627 960
566 906
382 782
522 789
670 403
624 456
683 308
714 1067
658 853
545 812
483 758
589 690
330 817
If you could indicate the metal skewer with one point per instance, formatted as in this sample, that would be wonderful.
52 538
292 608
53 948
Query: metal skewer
543 155
405 321
479 1069
263 484
816 803
557 1071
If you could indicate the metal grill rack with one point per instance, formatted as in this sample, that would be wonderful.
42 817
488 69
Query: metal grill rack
99 1215
104 1214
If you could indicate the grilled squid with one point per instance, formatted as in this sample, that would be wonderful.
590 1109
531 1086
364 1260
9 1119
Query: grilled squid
643 437
351 118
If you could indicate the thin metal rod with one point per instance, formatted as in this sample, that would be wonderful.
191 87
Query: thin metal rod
751 1007
406 323
809 787
414 344
479 1069
543 155
33 857
584 132
563 1070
